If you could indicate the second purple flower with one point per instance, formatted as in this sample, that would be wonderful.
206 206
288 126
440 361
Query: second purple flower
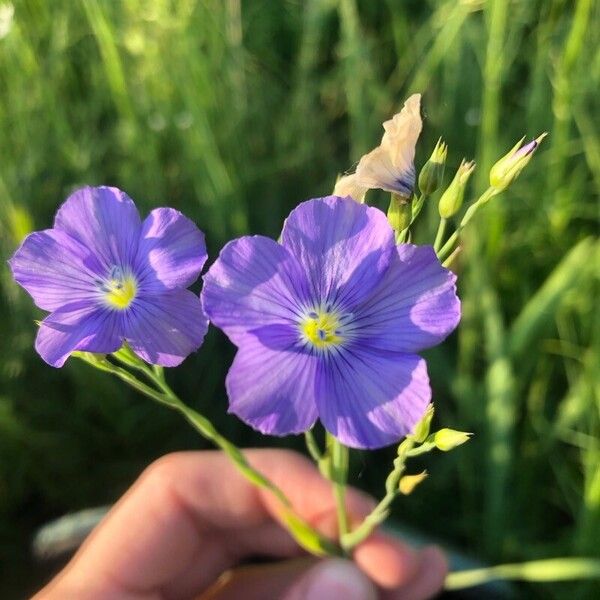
329 322
107 277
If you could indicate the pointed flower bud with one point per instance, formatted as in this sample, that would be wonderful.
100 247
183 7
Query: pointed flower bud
452 198
421 429
447 439
507 169
399 212
432 173
409 482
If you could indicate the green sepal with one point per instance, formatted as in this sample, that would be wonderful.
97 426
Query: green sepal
98 361
399 212
126 356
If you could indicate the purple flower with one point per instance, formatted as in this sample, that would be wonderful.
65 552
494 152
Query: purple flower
107 277
328 323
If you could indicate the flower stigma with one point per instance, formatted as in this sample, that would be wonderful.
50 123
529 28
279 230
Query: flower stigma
119 289
322 328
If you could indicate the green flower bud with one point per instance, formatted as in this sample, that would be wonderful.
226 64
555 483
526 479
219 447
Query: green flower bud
400 212
507 169
409 482
452 198
432 173
447 439
421 429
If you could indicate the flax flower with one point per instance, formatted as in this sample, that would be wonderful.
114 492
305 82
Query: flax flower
107 277
329 323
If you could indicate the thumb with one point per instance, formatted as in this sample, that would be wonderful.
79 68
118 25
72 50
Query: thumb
332 578
300 579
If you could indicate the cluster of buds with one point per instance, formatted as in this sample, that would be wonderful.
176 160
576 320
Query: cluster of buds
421 441
390 167
444 439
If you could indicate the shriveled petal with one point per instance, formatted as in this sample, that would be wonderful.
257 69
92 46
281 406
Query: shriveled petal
344 247
390 166
271 383
370 399
414 307
165 328
402 132
78 326
254 282
348 186
171 251
55 269
376 170
105 220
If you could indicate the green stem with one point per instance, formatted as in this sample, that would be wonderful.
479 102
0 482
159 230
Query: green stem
448 262
554 569
417 207
401 236
469 214
312 446
305 535
439 236
382 510
422 449
339 476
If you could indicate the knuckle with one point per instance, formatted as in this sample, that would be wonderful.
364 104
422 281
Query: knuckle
162 473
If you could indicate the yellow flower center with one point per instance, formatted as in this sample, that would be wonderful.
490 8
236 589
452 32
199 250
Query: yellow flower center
120 289
322 329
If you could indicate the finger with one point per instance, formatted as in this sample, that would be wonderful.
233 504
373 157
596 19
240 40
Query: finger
224 550
429 579
256 582
165 523
387 561
333 578
300 579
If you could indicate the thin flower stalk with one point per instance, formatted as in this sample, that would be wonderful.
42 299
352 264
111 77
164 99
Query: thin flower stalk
305 535
339 476
551 569
380 513
469 214
439 236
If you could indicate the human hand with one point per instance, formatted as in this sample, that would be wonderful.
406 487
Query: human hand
184 527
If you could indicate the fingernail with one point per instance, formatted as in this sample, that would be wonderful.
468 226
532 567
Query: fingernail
338 579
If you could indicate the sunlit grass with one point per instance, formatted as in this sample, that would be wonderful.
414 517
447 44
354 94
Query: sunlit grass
234 112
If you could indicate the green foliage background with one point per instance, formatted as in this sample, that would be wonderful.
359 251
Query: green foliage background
233 112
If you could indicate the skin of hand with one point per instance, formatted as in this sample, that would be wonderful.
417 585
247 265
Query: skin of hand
182 530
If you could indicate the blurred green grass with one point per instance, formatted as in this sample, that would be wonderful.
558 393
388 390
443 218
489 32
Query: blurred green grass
234 112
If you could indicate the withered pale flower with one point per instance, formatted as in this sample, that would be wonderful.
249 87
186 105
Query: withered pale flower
347 185
390 166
